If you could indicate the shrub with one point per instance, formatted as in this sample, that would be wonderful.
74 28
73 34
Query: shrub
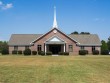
63 53
60 53
19 52
105 52
95 52
34 52
86 51
4 51
42 53
39 52
48 53
66 53
27 52
83 52
14 52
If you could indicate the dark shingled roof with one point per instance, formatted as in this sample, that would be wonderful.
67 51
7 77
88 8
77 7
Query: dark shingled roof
23 39
26 39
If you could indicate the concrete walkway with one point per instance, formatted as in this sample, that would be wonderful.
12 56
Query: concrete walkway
54 55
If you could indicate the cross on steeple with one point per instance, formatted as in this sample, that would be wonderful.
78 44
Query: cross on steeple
55 21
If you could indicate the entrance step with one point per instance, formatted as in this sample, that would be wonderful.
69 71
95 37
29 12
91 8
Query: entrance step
54 55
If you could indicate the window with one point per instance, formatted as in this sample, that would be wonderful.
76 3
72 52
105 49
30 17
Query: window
39 47
82 47
26 47
70 48
16 48
93 48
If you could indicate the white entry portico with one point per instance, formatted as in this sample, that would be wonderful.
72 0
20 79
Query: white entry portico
55 45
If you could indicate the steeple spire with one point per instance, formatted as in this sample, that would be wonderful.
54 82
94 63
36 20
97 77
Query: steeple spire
55 21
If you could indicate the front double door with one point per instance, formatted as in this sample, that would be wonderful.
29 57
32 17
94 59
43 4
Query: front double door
55 49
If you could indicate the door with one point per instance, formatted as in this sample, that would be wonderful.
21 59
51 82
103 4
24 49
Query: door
55 49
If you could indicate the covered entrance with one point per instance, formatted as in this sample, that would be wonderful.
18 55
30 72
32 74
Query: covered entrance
55 49
55 45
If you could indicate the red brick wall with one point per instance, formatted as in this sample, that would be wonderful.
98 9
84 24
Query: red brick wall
59 34
11 48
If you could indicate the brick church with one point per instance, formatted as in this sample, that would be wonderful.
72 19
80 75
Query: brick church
55 41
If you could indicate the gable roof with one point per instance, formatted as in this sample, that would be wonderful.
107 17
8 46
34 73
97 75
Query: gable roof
22 39
86 39
80 39
52 30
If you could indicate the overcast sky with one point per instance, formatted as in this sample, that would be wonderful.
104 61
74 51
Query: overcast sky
36 17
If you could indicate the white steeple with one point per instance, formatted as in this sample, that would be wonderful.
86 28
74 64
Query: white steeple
55 21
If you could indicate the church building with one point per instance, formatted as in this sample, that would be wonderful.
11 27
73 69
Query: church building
55 41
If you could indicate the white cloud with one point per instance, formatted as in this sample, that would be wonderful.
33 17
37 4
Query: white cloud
1 3
5 6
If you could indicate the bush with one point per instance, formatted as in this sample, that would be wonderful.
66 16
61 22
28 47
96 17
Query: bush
5 51
66 53
34 52
83 52
14 52
48 53
19 52
39 52
95 52
60 53
27 52
105 52
63 53
86 51
42 53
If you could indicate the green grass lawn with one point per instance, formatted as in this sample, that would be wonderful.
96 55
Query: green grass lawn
48 69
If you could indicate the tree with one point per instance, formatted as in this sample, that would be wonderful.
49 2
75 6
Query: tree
3 45
87 33
104 45
104 48
108 43
84 33
75 32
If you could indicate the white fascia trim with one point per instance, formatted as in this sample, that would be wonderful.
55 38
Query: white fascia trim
51 30
67 35
43 35
36 39
53 37
89 44
20 45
